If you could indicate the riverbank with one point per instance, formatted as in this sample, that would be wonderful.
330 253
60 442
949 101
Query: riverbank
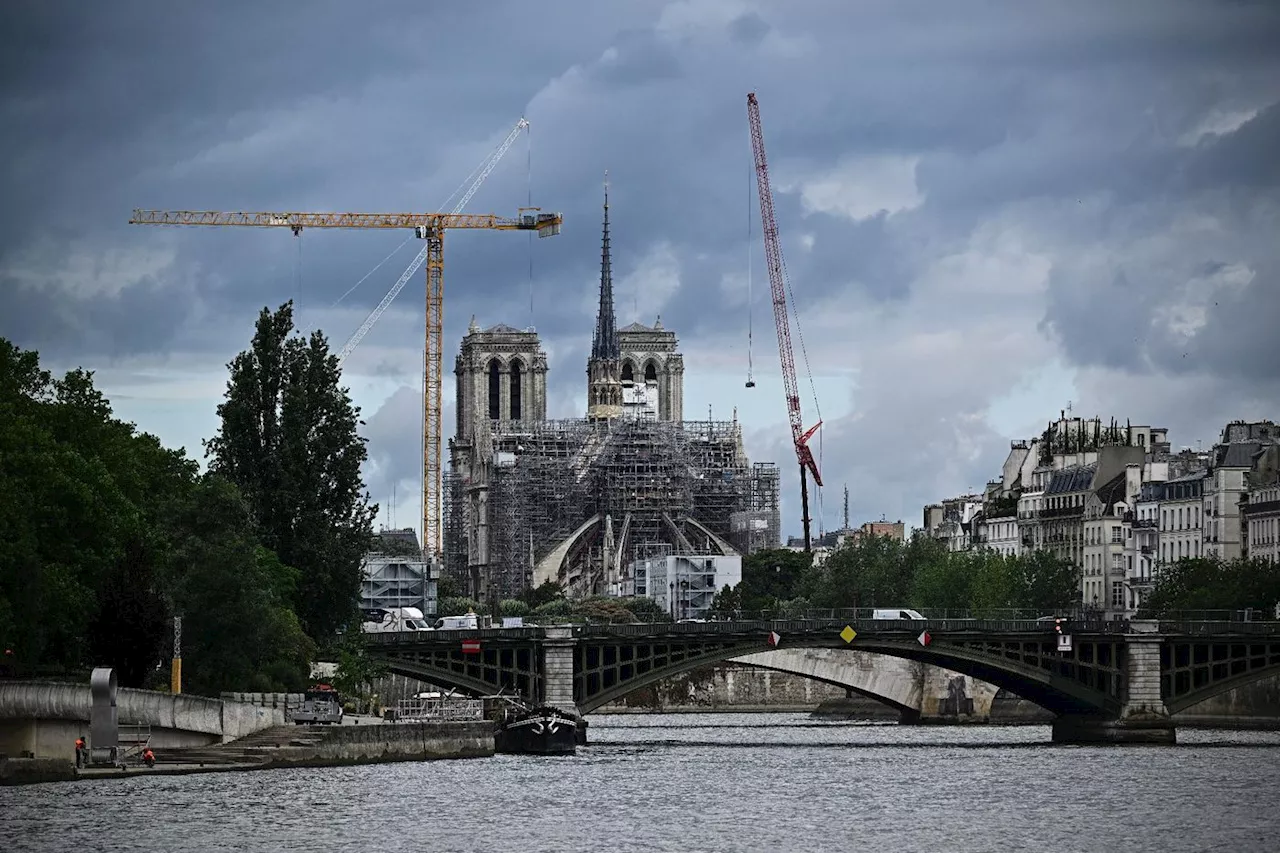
284 746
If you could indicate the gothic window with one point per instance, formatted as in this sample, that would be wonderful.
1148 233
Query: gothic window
495 390
515 390
650 372
628 375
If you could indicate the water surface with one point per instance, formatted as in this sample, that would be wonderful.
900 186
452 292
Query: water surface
705 782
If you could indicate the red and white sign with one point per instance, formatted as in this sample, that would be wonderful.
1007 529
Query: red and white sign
925 638
774 638
471 647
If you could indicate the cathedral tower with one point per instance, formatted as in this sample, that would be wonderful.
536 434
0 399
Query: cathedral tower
604 368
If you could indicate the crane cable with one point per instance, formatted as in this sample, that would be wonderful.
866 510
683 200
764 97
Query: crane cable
460 188
372 271
528 176
750 296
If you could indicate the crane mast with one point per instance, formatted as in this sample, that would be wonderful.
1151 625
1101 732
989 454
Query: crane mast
777 286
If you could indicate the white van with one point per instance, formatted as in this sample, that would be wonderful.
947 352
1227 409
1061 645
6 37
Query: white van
898 613
385 620
458 623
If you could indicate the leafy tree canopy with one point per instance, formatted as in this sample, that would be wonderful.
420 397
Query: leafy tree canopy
288 439
105 535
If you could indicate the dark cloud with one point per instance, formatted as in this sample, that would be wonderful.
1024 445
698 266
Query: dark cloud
1094 183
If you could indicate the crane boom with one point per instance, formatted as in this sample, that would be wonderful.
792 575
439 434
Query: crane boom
777 286
545 223
431 227
413 267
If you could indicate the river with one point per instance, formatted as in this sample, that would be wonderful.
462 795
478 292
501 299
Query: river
704 782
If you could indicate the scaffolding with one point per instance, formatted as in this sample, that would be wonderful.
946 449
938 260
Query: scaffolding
663 488
759 528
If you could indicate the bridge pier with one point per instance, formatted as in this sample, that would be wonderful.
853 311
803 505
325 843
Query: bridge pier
557 669
1143 718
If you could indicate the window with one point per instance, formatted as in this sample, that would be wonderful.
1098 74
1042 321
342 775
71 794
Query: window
1117 535
495 390
515 390
1117 594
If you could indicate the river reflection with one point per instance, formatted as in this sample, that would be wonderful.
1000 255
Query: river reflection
705 782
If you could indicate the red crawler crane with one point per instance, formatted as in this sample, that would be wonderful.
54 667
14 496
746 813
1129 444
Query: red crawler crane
777 284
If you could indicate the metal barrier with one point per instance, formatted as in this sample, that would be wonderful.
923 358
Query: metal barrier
433 710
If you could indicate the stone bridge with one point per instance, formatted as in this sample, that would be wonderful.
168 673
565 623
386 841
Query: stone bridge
44 719
1118 683
918 691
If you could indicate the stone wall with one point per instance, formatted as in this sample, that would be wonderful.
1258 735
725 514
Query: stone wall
722 687
43 719
1254 706
390 742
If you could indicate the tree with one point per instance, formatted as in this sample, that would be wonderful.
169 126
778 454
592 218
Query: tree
238 635
457 606
356 670
1050 583
1203 583
771 576
547 592
288 439
510 608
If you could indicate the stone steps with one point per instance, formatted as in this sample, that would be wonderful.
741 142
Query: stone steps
251 749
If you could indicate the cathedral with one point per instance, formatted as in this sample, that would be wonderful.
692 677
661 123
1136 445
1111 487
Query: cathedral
583 502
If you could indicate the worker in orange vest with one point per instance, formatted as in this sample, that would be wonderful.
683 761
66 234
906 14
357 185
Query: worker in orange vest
148 757
79 751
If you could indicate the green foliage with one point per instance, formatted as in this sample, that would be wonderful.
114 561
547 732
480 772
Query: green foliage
646 610
549 591
1207 584
288 439
113 534
356 671
457 606
604 609
769 577
558 609
510 608
920 573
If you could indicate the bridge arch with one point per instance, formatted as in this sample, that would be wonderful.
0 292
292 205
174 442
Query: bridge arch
600 684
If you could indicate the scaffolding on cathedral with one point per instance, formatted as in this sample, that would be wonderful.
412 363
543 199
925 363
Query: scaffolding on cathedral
664 487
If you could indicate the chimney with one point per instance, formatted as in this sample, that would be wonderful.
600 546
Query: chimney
1132 482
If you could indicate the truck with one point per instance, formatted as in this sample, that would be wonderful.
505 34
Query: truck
320 705
386 619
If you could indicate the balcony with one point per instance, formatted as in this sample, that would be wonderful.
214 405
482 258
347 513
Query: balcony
1145 522
1063 512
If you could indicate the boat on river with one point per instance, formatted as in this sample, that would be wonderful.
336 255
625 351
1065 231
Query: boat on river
535 730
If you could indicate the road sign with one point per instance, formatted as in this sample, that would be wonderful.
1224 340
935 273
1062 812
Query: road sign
1064 642
471 647
925 638
848 634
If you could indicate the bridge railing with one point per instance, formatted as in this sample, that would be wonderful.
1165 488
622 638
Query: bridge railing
1219 628
860 620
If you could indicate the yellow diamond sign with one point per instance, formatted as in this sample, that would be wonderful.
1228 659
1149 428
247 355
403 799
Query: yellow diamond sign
848 634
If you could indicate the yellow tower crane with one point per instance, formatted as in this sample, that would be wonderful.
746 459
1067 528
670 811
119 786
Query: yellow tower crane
429 227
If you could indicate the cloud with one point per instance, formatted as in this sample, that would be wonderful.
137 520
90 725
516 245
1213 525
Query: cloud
977 207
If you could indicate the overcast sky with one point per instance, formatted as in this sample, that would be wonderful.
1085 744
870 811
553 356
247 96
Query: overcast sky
988 210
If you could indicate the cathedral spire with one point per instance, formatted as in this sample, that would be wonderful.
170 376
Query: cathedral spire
605 343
